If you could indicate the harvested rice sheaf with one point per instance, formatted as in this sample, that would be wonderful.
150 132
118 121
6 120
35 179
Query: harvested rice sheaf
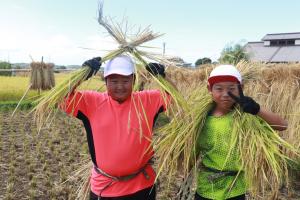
42 76
264 153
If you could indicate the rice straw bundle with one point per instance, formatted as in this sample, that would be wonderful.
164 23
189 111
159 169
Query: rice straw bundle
51 74
48 76
281 95
263 159
42 76
176 140
48 102
203 72
264 154
262 151
82 176
36 76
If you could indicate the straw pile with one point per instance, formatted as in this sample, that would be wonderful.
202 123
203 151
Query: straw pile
42 76
36 75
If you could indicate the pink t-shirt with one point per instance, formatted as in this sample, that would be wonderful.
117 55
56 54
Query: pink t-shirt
121 135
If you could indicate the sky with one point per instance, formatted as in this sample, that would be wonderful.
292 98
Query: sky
66 32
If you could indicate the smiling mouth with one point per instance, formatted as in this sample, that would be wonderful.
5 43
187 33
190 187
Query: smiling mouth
120 93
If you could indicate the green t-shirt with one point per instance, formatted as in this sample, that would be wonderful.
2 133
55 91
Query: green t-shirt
214 143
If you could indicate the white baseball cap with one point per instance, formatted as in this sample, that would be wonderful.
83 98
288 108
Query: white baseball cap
224 73
122 65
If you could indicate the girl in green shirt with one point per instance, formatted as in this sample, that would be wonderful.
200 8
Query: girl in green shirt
219 178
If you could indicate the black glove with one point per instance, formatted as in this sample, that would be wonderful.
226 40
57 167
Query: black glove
94 64
156 69
247 104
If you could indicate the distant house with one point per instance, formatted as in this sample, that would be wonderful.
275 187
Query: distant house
278 47
179 62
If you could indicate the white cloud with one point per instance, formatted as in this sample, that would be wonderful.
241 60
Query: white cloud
100 43
18 7
64 49
60 48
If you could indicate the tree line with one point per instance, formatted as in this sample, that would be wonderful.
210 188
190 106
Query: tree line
231 54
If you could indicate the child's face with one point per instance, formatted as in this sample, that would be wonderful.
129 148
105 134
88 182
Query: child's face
219 92
119 87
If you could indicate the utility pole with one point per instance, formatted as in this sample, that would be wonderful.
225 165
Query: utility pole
164 48
8 56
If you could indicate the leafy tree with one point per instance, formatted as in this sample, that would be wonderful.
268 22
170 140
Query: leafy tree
5 65
202 61
232 54
60 67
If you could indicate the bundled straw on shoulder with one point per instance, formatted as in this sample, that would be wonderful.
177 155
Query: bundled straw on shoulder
264 155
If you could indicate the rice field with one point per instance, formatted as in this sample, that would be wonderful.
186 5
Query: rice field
38 166
13 88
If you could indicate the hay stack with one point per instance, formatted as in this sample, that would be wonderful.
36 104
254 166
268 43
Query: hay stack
48 76
36 76
42 76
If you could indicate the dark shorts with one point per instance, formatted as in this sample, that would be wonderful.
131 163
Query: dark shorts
241 197
145 194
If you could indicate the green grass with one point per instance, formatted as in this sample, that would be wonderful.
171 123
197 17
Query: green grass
11 105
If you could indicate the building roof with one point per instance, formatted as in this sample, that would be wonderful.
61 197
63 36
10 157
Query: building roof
258 52
281 36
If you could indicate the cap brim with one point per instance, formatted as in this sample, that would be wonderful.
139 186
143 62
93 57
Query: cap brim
216 79
118 73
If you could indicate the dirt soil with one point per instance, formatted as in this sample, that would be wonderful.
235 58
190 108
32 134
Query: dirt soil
35 166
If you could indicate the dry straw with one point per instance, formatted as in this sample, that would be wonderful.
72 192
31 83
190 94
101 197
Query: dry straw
264 155
36 76
42 76
48 76
176 141
47 104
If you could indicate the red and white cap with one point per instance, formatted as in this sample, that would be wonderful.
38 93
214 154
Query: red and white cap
122 65
224 73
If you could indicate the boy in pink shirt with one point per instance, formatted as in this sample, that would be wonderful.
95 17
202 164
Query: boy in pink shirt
119 125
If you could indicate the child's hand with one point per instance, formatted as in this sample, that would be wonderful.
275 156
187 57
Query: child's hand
156 69
94 64
247 104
